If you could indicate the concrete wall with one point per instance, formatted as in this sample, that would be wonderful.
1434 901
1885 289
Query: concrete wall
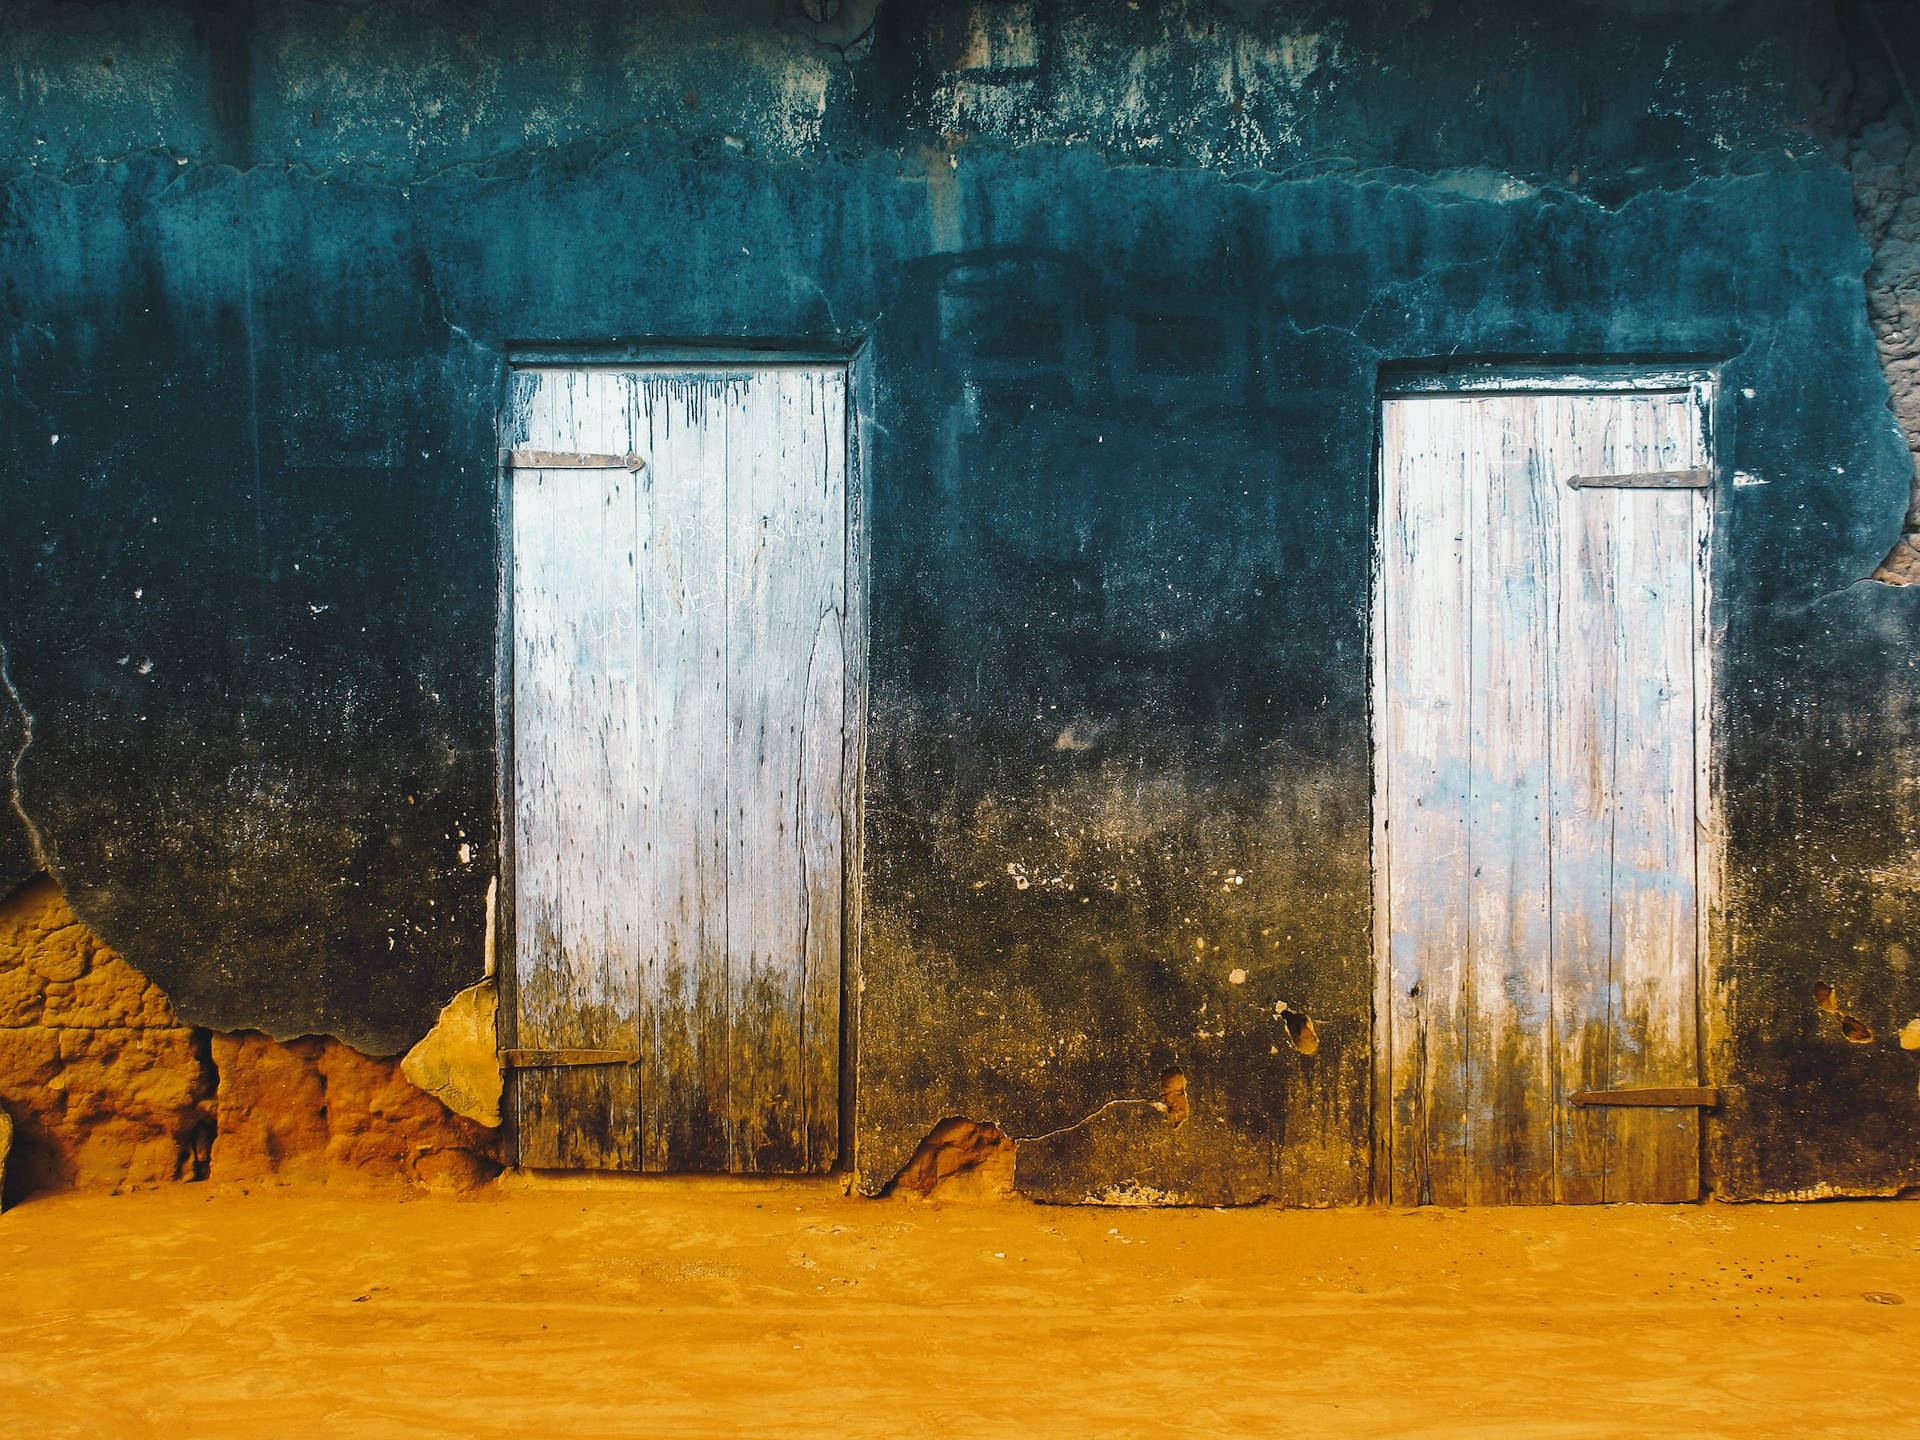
1126 279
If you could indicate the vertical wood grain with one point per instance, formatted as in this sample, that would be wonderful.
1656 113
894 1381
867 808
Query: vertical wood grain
575 687
824 808
686 1009
1424 744
786 564
1584 435
1655 1154
1510 1112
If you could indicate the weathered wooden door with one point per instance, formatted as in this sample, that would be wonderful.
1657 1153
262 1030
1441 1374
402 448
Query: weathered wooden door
680 780
1538 611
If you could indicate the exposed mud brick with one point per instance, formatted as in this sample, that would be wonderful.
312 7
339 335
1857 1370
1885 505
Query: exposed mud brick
458 1061
318 1111
270 1109
110 995
108 1089
105 1086
960 1160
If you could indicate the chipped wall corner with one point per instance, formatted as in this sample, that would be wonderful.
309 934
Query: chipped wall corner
458 1060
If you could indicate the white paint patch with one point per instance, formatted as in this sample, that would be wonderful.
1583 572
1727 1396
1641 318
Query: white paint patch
493 912
1478 184
1742 479
1131 1194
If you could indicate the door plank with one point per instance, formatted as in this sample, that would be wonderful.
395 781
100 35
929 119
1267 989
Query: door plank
1584 434
1509 1117
1655 1155
574 700
1423 719
685 1010
786 530
822 798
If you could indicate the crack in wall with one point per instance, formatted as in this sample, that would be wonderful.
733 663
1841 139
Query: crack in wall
1088 1119
36 846
962 1159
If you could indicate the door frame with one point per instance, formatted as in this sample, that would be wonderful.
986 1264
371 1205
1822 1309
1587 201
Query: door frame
1703 381
678 355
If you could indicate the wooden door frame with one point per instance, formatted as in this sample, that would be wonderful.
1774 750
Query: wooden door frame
1703 381
627 356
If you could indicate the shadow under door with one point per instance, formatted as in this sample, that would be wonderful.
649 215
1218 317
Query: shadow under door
679 771
1538 734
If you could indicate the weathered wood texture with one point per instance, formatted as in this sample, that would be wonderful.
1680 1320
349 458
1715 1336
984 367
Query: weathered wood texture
679 713
1536 738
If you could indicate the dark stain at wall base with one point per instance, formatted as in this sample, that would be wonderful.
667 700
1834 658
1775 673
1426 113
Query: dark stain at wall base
963 1159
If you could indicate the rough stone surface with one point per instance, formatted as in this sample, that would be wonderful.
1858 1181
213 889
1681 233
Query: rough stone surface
109 1089
458 1061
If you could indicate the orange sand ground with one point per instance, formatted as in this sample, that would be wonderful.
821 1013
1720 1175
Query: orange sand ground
687 1309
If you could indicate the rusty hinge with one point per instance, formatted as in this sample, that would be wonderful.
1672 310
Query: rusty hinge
573 460
1646 480
1704 1096
554 1059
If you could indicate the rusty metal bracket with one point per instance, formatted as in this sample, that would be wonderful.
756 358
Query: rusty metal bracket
557 1059
633 460
1645 480
1703 1096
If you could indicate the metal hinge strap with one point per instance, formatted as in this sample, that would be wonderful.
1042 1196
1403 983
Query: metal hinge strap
1704 1096
1646 480
555 1059
573 460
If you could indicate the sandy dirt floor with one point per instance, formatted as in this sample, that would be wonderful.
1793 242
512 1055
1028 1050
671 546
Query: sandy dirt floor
689 1309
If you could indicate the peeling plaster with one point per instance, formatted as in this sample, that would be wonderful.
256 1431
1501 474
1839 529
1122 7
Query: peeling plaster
458 1060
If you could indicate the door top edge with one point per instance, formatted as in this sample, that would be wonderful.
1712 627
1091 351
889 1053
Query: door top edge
1550 380
705 365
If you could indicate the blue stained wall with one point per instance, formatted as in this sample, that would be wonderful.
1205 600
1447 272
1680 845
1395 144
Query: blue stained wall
1125 279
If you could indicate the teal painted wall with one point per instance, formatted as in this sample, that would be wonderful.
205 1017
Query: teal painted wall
1125 278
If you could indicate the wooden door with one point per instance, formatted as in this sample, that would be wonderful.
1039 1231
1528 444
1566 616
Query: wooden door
679 775
1537 751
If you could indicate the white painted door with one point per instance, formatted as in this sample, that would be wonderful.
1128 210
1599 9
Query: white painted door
1537 754
679 775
